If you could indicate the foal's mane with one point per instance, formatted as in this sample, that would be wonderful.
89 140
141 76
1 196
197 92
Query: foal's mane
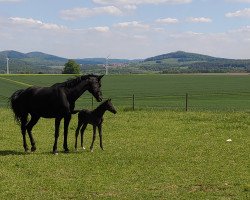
72 82
102 104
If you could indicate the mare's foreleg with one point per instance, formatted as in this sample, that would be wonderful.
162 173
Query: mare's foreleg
100 135
57 125
23 130
30 125
66 126
82 134
93 139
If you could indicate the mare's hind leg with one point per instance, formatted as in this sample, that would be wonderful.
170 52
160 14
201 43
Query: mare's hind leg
23 129
93 139
82 134
30 125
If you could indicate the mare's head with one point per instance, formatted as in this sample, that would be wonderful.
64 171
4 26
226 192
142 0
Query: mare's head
109 106
95 86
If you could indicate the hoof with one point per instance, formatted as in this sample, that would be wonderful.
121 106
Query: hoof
83 148
55 152
33 149
66 151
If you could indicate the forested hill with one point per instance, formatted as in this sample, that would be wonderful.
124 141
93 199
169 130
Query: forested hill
35 62
185 56
183 62
32 62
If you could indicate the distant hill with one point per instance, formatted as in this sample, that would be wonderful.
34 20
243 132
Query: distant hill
175 62
35 62
182 56
183 62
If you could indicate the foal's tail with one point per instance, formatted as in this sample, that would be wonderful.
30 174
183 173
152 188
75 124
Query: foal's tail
75 111
15 104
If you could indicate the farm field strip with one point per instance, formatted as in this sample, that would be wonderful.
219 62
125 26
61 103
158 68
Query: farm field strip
166 91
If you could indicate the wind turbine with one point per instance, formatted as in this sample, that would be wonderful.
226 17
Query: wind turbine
106 65
7 67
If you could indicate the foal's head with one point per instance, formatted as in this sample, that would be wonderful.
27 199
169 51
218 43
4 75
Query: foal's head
95 86
109 106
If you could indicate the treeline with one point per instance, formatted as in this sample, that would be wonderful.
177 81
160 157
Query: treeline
209 68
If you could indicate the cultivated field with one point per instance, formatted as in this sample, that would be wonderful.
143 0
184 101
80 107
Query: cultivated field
149 153
205 92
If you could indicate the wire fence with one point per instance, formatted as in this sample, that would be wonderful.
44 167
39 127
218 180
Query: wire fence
182 102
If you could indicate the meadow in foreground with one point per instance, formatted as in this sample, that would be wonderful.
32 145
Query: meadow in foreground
147 155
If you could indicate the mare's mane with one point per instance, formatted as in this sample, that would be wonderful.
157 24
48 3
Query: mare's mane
72 82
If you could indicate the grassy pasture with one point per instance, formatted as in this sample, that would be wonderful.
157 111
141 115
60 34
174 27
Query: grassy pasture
148 155
206 92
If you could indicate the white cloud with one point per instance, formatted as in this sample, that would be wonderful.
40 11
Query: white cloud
87 12
10 1
239 13
132 24
199 20
167 20
138 2
130 7
35 23
238 1
102 29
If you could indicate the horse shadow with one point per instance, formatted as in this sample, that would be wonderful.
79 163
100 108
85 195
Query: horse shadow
10 152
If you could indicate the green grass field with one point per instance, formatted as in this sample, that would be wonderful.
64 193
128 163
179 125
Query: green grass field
148 155
205 92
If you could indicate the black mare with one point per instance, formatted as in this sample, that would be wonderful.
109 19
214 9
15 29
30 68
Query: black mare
95 118
57 101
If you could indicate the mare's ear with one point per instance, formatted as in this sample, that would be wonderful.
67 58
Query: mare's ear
100 77
109 99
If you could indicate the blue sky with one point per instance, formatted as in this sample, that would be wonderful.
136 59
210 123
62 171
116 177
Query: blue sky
126 28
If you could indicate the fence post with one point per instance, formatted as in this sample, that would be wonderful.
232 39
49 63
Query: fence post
133 104
186 102
92 102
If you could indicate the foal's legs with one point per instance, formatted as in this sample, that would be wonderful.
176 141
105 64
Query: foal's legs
77 133
82 134
30 125
93 139
57 124
100 135
66 126
23 129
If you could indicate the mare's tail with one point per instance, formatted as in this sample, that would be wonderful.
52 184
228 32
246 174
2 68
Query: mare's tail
15 104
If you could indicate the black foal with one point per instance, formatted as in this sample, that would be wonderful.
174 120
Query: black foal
95 118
